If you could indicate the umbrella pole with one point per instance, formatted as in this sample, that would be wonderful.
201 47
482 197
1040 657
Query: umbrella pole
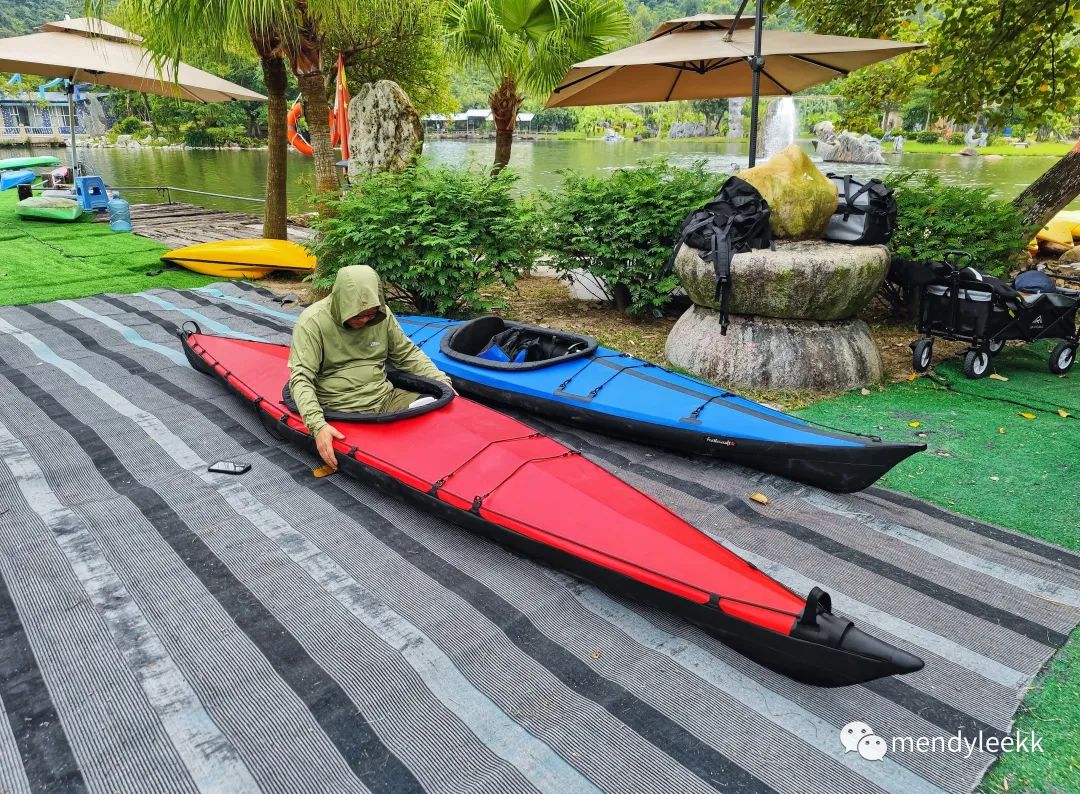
757 63
71 121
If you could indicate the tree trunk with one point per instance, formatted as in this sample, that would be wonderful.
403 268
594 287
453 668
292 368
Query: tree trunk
504 102
317 113
149 114
1051 193
305 57
275 217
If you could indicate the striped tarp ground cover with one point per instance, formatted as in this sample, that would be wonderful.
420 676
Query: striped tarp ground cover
165 629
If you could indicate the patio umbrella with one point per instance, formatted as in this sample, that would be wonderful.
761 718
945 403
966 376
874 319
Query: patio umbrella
711 57
90 50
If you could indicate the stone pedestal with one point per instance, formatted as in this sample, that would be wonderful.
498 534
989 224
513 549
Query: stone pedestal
802 280
769 353
791 325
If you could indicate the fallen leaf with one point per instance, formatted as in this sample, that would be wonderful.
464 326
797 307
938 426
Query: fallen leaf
943 453
864 392
995 376
1063 413
912 376
760 498
323 471
1026 415
921 435
1001 429
596 654
994 477
913 424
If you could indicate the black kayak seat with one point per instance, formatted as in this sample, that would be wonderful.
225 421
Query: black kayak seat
471 338
493 343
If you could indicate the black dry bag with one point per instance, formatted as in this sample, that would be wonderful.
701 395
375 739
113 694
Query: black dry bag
866 214
736 221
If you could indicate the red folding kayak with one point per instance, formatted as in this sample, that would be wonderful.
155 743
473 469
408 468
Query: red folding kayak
498 477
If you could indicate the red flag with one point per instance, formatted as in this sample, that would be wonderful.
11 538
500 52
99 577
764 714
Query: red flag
341 107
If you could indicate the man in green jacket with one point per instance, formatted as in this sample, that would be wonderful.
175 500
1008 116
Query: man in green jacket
340 348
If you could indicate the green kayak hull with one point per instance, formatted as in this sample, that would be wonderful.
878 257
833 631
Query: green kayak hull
28 162
49 209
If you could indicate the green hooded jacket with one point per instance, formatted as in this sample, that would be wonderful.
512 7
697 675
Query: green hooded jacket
336 368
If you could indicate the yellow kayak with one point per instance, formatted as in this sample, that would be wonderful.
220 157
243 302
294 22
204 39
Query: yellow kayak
1056 231
253 258
1070 218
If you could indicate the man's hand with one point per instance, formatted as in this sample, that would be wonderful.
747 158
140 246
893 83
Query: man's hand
324 441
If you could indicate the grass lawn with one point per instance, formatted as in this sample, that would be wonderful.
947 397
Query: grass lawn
44 261
1007 149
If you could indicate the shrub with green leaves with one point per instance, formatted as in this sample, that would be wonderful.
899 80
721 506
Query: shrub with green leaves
128 126
439 237
927 136
199 138
933 218
956 139
620 228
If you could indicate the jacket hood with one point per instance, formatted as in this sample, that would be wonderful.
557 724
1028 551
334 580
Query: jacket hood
357 289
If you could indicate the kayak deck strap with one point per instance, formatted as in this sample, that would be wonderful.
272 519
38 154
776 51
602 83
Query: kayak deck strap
478 501
442 480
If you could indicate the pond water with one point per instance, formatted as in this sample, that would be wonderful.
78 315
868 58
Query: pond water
539 163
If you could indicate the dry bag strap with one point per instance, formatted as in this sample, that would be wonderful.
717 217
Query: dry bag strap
722 253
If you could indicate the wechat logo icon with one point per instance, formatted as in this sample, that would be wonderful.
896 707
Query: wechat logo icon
859 737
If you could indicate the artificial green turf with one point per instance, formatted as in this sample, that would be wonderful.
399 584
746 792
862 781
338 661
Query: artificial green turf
44 261
1027 479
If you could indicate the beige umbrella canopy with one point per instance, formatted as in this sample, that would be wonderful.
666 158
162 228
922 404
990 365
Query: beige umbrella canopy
93 51
702 58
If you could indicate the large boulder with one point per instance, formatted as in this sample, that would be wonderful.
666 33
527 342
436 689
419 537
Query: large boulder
687 129
848 148
810 279
825 131
801 198
1070 256
768 353
385 130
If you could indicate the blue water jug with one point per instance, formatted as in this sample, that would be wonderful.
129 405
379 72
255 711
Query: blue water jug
119 214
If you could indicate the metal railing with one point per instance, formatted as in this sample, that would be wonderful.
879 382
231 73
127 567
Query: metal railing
168 190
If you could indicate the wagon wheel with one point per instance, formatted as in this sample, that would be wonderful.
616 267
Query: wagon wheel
1062 358
922 353
976 364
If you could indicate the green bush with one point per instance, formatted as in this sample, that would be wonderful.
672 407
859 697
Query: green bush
877 132
128 126
933 218
439 237
956 139
620 228
199 138
927 136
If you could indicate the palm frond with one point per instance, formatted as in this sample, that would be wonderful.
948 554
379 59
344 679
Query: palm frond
593 28
475 35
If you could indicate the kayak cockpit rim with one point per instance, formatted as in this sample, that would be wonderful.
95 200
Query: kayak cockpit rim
494 343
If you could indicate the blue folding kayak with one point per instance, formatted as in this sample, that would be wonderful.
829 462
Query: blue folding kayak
569 377
10 179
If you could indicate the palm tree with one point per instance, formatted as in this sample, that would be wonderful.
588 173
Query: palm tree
527 46
277 30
